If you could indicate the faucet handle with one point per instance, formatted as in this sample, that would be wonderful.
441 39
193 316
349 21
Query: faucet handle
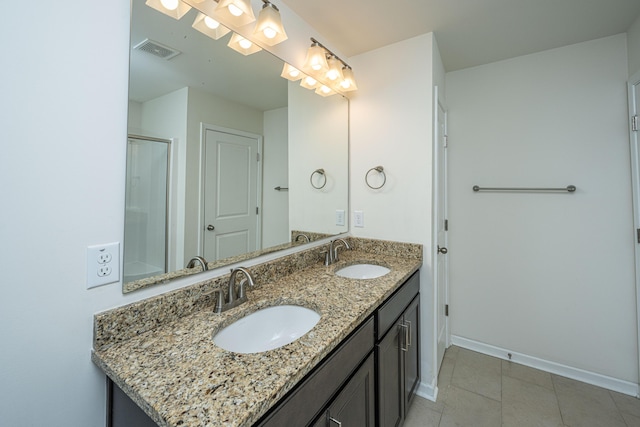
327 257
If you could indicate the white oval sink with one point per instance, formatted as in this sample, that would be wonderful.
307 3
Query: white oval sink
267 329
362 271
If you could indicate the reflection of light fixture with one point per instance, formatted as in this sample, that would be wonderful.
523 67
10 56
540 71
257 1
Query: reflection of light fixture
335 69
309 83
209 26
242 45
235 12
324 90
348 83
269 29
291 73
173 8
316 61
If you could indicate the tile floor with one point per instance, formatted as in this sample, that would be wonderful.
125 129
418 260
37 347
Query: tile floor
477 390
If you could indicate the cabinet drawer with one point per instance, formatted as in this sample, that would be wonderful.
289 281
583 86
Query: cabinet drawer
395 305
311 396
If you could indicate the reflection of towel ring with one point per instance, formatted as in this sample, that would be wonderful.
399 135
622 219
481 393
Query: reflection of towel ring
321 172
380 170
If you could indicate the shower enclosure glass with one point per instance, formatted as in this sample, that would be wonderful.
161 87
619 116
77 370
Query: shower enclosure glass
145 230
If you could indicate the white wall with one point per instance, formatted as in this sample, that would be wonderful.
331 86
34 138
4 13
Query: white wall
391 125
633 46
546 275
318 139
63 166
275 204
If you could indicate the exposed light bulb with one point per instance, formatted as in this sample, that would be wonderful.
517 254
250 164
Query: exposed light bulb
235 10
245 44
269 32
211 23
170 4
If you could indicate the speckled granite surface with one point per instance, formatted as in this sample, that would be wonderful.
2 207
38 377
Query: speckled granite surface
161 353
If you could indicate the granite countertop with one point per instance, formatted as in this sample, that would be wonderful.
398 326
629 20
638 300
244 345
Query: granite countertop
179 377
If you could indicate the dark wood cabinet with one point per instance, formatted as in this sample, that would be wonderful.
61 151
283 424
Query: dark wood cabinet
398 354
355 404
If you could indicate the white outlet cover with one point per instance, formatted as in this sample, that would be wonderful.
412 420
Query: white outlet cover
103 264
358 218
340 217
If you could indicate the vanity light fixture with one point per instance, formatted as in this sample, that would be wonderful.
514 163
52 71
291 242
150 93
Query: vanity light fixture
173 8
348 83
289 72
269 29
235 12
316 60
337 73
242 45
209 26
335 69
309 83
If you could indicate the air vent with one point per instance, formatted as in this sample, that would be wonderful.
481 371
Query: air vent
156 49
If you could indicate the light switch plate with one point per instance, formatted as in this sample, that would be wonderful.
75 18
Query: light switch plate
103 264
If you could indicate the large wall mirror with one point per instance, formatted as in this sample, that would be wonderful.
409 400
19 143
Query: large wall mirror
226 160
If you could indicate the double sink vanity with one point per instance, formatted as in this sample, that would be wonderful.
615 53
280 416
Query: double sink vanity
352 357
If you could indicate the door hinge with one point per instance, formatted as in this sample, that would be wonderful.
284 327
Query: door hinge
634 123
257 157
446 225
638 235
446 141
257 210
446 310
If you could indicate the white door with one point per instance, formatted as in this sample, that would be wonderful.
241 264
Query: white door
441 257
231 182
634 138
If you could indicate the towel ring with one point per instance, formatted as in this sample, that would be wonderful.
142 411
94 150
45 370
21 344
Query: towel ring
380 170
321 172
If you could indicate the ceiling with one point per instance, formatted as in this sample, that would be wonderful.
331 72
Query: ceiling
468 32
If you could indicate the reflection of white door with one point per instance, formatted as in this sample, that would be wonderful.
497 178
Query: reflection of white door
231 182
634 129
441 270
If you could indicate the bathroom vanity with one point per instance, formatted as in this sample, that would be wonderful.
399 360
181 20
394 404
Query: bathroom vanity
359 364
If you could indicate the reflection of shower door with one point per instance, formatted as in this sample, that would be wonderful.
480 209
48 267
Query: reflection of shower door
230 193
145 232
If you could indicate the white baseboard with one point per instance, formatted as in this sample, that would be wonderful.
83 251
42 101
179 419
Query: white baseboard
593 378
428 391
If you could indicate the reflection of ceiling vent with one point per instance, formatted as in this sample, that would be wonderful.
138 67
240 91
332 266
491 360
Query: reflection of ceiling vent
157 49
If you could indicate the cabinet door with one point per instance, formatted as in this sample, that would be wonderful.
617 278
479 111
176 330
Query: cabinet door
412 355
355 404
390 377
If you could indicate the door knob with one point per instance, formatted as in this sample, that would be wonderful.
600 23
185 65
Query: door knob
210 227
442 250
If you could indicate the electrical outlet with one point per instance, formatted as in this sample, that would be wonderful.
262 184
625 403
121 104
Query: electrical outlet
103 264
340 217
358 218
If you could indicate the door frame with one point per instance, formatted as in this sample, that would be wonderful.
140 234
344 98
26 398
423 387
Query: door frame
204 127
438 103
634 141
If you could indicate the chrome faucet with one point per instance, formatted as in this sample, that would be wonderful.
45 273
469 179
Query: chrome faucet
198 259
234 297
331 255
